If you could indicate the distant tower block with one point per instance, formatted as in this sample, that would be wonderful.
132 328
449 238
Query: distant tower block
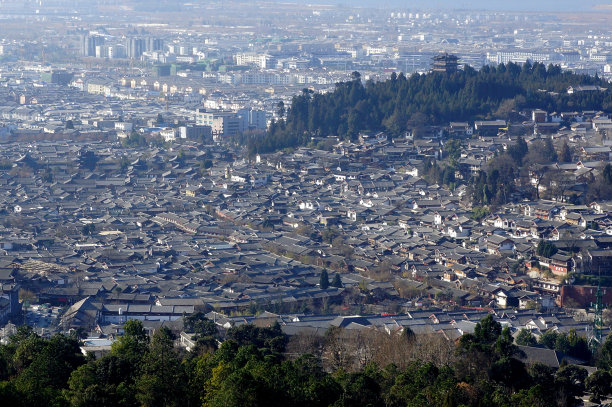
445 63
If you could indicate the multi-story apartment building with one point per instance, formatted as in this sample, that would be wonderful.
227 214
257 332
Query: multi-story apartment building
224 124
518 56
251 58
252 119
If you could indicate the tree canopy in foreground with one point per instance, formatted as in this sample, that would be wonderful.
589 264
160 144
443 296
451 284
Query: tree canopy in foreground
259 367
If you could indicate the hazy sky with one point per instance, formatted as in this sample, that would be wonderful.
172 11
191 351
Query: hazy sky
514 5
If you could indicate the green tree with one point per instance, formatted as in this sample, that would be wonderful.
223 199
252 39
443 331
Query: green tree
562 344
124 163
205 330
480 212
88 229
27 346
267 224
361 389
336 281
181 157
133 345
88 160
483 355
9 395
599 384
548 339
207 164
422 384
199 324
280 109
324 280
570 382
526 338
518 150
270 338
604 354
135 140
162 382
543 376
103 382
230 387
487 331
546 249
250 369
453 149
535 396
42 381
607 173
578 346
565 154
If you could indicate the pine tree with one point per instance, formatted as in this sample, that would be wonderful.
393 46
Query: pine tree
607 173
337 281
565 155
324 280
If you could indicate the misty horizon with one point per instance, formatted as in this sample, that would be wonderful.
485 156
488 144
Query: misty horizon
548 6
489 5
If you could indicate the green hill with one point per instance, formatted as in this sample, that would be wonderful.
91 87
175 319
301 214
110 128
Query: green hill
402 103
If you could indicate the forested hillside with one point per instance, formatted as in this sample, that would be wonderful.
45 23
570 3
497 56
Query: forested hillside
262 367
401 103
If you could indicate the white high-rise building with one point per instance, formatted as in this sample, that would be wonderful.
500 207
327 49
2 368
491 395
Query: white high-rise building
251 58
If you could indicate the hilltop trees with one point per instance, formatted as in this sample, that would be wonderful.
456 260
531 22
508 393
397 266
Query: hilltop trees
403 103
